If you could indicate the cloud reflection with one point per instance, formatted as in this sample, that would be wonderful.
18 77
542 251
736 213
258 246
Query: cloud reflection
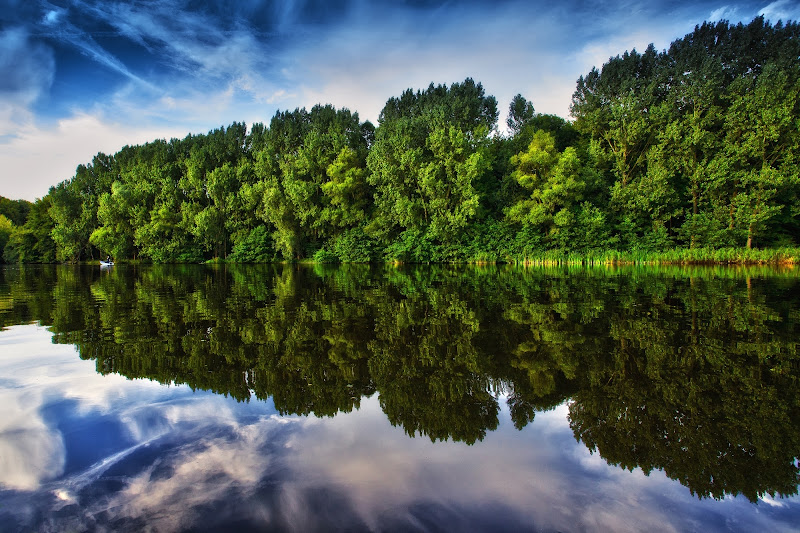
37 374
181 460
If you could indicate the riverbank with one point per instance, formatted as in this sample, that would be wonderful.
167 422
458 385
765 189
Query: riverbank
677 256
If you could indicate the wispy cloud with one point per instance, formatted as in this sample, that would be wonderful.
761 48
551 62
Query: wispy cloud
57 22
781 10
723 13
199 45
537 49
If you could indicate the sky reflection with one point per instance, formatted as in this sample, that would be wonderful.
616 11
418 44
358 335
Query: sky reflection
79 450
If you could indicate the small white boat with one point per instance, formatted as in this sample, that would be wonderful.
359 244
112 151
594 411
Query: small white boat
106 263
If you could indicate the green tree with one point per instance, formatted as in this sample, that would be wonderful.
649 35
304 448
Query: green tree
555 183
32 242
6 229
307 171
348 195
431 150
15 210
214 222
760 167
71 222
520 114
613 106
115 236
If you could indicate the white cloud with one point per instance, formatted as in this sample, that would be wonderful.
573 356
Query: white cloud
194 43
772 502
202 472
37 157
377 55
784 10
85 43
52 17
513 48
723 13
781 10
29 451
27 68
224 80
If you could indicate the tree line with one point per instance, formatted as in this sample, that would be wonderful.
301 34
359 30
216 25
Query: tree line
692 147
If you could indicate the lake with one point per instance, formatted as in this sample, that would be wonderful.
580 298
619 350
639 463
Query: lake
399 398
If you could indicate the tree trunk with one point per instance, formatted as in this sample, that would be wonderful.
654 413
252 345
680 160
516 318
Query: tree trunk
695 209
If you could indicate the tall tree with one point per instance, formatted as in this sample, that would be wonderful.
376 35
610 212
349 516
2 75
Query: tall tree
430 151
33 242
554 212
300 173
6 229
520 114
762 166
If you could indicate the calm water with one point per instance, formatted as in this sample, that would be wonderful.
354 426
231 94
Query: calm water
299 398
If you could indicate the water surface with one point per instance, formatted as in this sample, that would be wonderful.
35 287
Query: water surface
299 398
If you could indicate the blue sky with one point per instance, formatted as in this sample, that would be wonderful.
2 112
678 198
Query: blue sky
80 77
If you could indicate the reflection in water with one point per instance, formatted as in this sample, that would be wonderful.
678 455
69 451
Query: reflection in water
691 372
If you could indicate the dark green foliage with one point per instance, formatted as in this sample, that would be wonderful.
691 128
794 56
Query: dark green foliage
15 210
6 228
13 214
520 114
430 153
696 143
312 177
255 247
32 242
355 246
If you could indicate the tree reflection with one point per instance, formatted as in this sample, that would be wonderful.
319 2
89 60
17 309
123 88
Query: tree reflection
693 372
703 387
426 364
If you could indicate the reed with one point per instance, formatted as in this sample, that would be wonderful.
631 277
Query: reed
676 256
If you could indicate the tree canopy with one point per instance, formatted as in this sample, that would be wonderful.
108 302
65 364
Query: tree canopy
692 147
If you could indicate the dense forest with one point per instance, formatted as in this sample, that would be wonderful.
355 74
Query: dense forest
691 148
689 370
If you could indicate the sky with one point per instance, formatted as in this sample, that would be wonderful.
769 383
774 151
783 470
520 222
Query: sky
82 77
